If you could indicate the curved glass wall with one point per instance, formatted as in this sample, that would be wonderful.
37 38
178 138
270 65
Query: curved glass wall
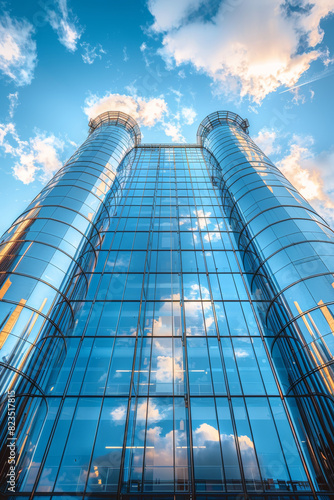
287 249
46 258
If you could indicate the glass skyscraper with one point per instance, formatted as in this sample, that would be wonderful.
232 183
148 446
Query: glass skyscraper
167 322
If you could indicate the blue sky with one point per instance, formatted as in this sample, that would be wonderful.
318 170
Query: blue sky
169 63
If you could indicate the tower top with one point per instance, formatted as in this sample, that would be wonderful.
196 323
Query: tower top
216 118
117 118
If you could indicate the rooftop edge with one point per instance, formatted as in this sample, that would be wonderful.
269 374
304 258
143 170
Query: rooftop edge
117 118
216 118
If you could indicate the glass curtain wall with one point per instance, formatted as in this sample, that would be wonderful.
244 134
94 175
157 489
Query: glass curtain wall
287 251
168 388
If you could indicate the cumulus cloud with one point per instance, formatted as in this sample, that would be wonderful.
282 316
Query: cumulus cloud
204 433
267 141
65 25
144 111
207 450
165 366
150 411
37 156
247 48
164 372
169 14
91 53
173 130
119 413
18 57
311 174
189 115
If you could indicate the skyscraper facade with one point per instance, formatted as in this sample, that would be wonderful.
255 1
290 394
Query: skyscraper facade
167 322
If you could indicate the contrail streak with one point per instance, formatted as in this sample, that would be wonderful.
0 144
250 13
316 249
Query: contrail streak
324 74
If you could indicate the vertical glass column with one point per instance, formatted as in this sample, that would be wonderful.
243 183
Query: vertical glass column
45 260
288 250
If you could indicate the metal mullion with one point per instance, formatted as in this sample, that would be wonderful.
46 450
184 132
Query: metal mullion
268 495
206 337
66 441
134 421
148 396
173 336
92 396
102 397
191 467
203 252
119 488
255 451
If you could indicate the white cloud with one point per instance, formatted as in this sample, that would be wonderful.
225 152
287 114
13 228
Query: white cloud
245 443
309 23
164 372
178 95
91 53
146 53
169 14
159 447
189 115
18 57
266 140
174 131
311 175
151 412
46 150
298 98
13 103
65 25
164 369
205 433
118 414
145 111
248 49
72 143
241 353
39 155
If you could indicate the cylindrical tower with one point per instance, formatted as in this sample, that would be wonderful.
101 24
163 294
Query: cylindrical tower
44 259
287 249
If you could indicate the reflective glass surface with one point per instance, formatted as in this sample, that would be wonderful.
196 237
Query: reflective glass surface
286 249
167 382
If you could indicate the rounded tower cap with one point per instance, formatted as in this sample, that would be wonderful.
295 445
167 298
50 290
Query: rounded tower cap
117 118
215 119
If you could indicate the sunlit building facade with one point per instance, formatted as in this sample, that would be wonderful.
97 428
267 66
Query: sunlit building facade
167 325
